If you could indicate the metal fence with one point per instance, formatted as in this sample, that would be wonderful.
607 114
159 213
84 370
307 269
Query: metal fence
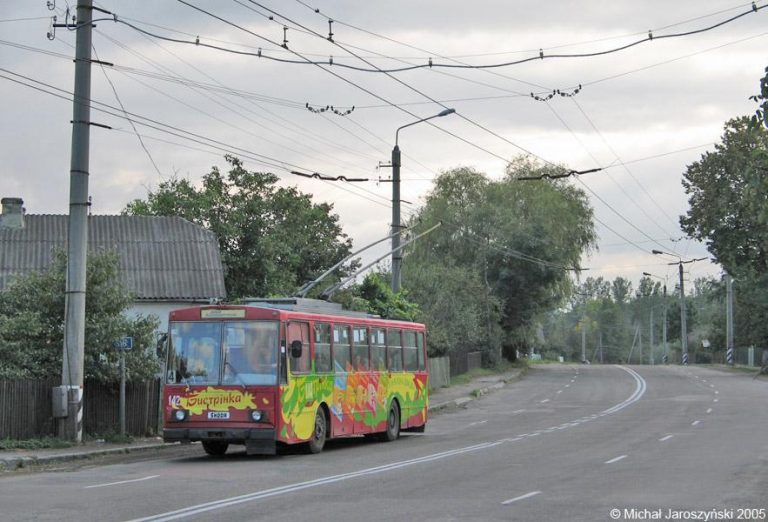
26 410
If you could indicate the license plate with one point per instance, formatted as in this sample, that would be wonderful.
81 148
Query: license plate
218 415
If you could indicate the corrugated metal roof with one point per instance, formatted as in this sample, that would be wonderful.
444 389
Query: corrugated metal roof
160 257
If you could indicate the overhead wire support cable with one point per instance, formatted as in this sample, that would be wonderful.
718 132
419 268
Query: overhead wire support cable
346 80
432 64
408 86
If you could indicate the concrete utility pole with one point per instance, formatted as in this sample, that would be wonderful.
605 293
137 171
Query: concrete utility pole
650 338
583 341
71 426
397 256
683 318
729 319
683 314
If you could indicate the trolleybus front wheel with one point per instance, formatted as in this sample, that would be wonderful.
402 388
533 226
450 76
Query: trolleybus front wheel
317 441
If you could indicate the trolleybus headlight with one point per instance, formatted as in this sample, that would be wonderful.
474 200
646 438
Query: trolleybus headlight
256 415
180 415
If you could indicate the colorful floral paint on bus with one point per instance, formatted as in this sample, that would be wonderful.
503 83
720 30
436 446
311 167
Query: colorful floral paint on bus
357 402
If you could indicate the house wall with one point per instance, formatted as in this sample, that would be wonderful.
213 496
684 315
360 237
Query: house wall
159 309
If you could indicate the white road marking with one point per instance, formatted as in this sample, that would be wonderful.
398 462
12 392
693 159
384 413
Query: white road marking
716 392
567 385
121 482
478 423
207 507
716 400
709 410
518 411
616 459
545 400
521 497
694 423
666 438
711 385
559 391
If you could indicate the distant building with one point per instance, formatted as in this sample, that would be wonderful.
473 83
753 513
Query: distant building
166 262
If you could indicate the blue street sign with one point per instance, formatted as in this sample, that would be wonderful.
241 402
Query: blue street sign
124 343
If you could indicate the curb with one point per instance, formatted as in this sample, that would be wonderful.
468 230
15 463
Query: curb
477 393
23 461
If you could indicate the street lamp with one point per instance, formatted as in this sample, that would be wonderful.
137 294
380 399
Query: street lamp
397 256
665 357
683 325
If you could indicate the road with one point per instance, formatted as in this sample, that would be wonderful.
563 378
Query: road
565 443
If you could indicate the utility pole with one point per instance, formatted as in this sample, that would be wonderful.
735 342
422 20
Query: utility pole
650 338
729 319
683 314
583 340
71 426
683 318
397 256
665 357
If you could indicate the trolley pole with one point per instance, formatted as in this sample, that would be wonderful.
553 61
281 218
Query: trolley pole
71 426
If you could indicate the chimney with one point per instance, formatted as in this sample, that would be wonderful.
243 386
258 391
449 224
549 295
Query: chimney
13 213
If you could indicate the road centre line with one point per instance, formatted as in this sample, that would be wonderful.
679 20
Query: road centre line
121 482
478 423
666 438
709 410
694 423
206 507
622 457
521 497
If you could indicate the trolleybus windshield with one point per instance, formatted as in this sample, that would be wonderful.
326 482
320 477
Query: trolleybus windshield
235 352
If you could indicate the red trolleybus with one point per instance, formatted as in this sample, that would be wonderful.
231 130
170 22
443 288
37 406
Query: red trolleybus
291 371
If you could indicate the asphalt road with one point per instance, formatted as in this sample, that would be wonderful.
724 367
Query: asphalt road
565 443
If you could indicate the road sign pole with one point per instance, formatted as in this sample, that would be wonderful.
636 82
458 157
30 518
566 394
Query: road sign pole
122 392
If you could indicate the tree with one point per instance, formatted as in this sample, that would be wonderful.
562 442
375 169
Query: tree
272 239
32 324
727 192
502 256
761 114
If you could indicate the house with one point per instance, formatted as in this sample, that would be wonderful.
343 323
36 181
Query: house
166 262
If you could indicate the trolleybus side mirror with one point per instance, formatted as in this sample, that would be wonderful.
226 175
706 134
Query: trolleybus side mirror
296 348
161 339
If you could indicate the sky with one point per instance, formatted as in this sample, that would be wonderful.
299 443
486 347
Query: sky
642 114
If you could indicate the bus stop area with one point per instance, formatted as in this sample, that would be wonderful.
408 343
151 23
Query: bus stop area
439 399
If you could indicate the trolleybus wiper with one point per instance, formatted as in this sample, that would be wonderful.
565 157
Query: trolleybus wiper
235 372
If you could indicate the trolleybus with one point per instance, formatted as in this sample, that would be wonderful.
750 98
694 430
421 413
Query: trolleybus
291 371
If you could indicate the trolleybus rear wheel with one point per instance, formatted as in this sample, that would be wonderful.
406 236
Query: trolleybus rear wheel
393 423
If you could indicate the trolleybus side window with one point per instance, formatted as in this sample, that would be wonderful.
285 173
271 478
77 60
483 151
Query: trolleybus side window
360 348
299 332
394 351
323 348
378 350
341 348
420 351
410 356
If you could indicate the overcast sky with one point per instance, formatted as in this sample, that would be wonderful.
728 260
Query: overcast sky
666 100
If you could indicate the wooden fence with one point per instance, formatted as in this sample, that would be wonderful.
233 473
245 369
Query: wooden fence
25 408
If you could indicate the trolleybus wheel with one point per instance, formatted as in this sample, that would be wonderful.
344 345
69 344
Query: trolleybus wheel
393 424
317 441
215 447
